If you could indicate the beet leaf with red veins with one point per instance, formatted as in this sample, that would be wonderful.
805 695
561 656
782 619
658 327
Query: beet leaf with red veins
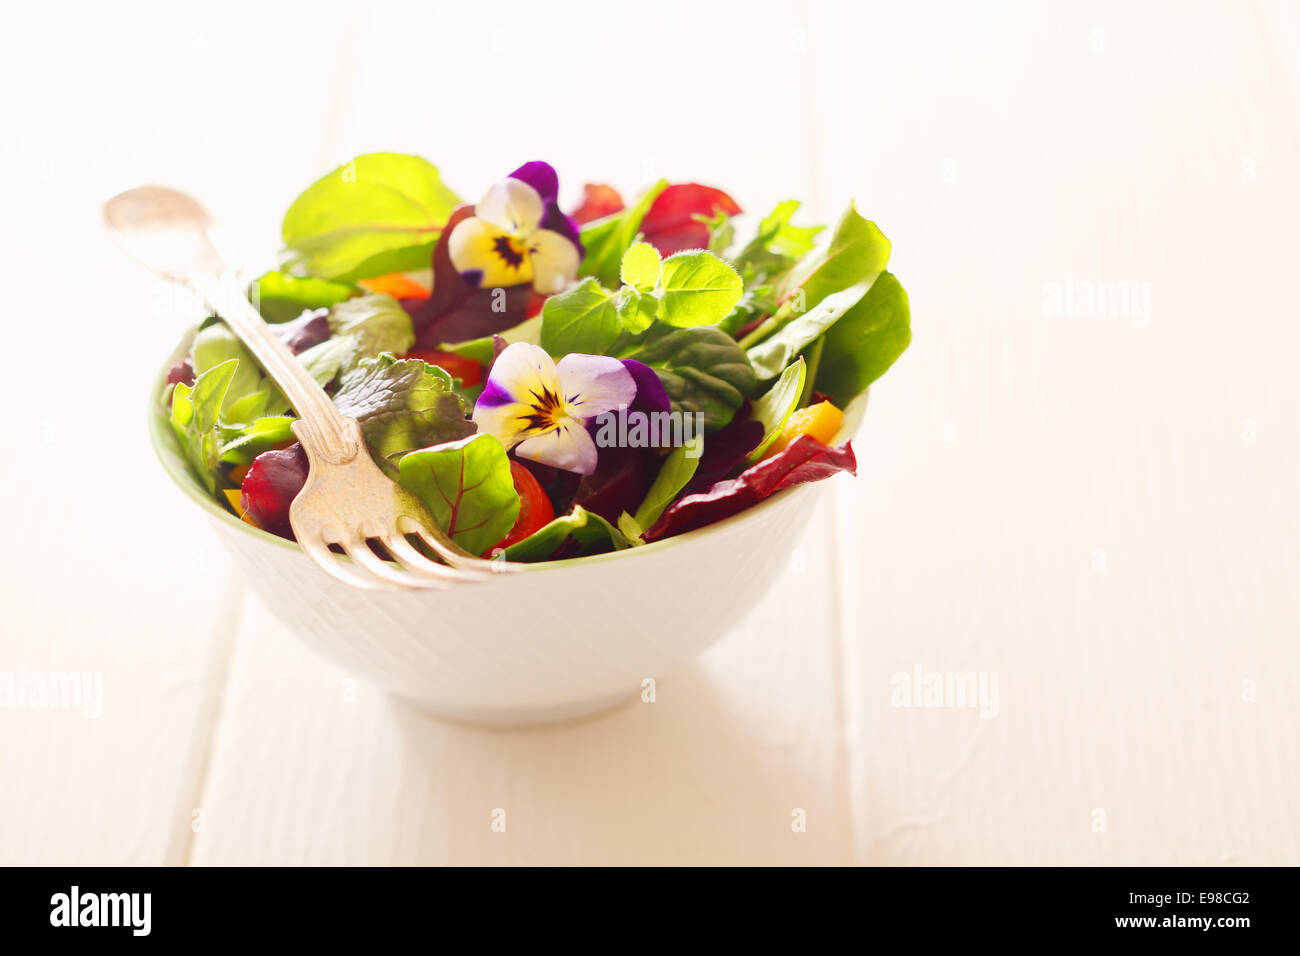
805 459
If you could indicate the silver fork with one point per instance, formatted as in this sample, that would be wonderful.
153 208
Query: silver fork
347 501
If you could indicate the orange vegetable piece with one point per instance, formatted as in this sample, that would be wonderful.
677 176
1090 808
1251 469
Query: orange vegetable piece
395 284
233 496
820 421
238 473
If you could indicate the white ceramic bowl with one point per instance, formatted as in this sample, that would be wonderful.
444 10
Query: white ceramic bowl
558 641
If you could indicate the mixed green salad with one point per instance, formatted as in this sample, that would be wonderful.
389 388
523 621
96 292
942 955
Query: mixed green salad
550 383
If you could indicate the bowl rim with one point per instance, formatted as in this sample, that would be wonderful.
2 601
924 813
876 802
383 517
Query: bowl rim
172 459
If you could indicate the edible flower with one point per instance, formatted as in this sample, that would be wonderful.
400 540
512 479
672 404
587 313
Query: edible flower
518 234
540 408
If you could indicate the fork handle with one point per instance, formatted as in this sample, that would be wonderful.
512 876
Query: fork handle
323 430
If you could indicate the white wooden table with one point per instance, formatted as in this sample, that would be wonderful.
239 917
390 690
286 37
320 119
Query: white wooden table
1097 507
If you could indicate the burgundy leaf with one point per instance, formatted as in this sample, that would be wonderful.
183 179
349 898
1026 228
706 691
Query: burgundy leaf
804 459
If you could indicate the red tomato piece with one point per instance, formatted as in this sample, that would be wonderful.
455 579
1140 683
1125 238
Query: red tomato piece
467 370
535 510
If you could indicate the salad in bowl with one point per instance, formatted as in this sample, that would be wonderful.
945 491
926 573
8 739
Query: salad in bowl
617 396
552 382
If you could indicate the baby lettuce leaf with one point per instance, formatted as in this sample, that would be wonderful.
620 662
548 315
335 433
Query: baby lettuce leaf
281 297
379 203
703 370
804 459
862 345
774 354
240 444
774 408
577 533
467 486
677 470
195 412
698 289
215 344
377 323
607 239
581 319
402 405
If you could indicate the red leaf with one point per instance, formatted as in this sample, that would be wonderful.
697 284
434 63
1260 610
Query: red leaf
804 459
670 224
598 201
457 311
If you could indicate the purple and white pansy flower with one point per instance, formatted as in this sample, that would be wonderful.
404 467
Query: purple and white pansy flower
518 234
541 408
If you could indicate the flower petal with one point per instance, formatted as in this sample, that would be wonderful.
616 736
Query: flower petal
487 256
554 261
651 396
507 422
556 221
568 446
520 372
512 205
594 383
542 177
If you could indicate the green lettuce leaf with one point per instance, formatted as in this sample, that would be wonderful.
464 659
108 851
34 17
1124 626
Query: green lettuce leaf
402 405
240 444
377 323
641 267
774 354
214 345
378 206
467 487
865 342
281 297
591 533
857 250
773 409
194 415
674 474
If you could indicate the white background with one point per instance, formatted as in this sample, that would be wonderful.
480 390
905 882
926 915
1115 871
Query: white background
1102 510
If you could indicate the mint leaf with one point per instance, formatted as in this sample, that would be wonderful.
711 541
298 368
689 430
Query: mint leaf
698 289
636 311
590 533
378 203
862 345
377 323
770 357
703 370
582 319
674 474
467 486
281 297
402 404
194 415
641 266
606 239
774 408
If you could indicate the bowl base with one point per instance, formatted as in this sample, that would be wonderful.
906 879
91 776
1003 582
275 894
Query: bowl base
516 718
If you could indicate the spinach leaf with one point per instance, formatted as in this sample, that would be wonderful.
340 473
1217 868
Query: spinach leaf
377 204
771 356
674 474
588 532
467 487
862 345
703 370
